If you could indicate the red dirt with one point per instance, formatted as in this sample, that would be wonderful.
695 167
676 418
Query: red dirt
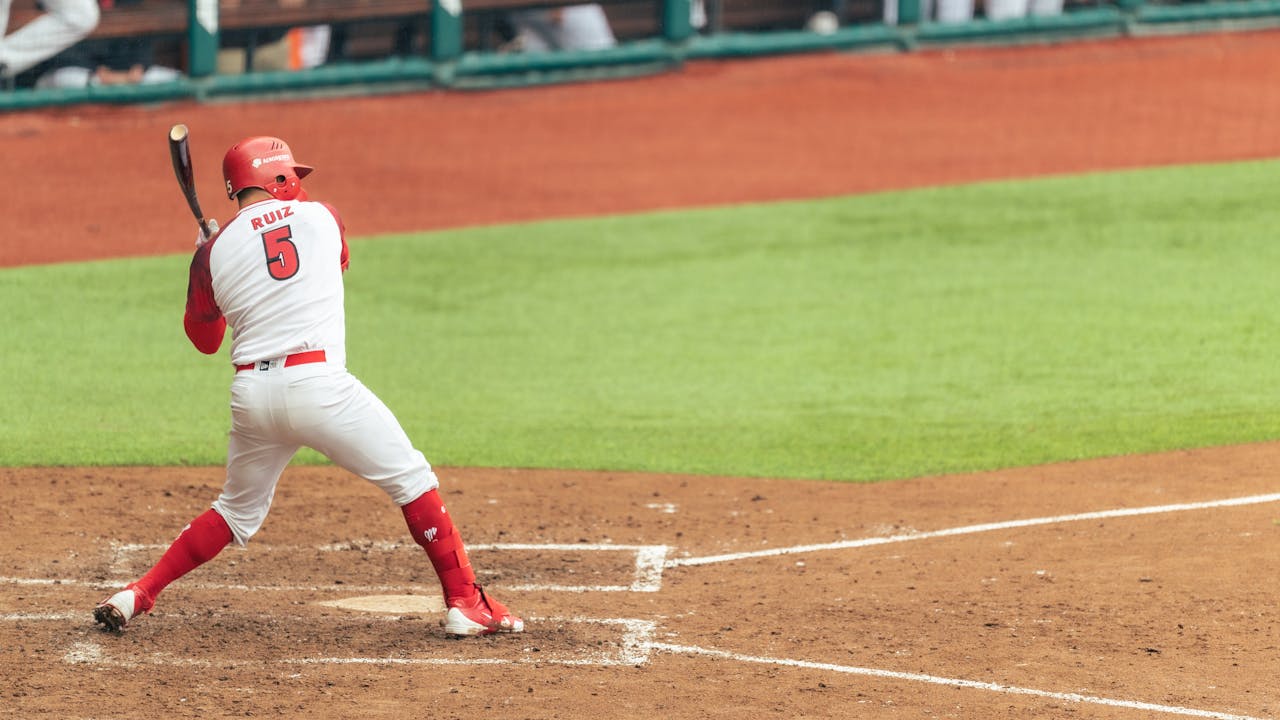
1175 608
1095 615
715 133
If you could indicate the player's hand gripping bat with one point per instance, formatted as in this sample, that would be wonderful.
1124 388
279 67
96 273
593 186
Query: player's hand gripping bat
180 153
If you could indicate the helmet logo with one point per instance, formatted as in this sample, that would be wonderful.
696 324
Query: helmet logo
260 161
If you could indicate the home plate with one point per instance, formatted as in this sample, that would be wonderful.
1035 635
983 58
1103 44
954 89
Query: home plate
390 604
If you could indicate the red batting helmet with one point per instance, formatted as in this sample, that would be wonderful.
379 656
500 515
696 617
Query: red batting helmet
263 162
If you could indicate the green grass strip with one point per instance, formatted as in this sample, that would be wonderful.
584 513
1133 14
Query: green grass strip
872 337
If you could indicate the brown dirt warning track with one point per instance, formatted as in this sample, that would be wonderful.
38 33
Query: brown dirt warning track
1133 587
715 133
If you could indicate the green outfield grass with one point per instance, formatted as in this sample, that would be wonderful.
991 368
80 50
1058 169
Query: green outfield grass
872 337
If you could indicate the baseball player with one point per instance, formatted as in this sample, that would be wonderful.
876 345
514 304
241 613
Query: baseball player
274 274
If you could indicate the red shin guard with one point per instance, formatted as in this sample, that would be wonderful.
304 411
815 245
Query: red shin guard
431 528
198 543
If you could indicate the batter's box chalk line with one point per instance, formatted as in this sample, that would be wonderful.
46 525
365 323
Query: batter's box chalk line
645 570
633 648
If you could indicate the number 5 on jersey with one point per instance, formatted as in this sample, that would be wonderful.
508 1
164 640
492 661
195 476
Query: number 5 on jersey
282 254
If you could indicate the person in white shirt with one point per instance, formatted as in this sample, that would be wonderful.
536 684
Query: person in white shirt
64 23
575 27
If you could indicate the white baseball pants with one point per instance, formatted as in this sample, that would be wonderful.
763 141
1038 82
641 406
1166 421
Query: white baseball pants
277 411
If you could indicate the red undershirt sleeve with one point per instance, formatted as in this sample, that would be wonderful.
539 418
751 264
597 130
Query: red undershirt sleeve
345 258
203 321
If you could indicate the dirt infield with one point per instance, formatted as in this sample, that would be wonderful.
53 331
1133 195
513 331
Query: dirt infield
668 596
1122 588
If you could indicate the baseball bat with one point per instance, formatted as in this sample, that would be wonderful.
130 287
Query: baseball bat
180 153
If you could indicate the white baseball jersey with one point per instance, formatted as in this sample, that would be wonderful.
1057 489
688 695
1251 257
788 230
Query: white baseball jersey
276 276
274 273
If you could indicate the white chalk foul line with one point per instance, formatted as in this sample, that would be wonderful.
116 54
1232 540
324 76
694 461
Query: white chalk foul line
950 682
971 529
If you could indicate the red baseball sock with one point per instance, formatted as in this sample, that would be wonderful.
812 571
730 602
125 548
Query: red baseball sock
434 531
197 544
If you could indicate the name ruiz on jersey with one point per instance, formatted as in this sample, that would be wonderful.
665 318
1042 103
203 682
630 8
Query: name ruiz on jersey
274 216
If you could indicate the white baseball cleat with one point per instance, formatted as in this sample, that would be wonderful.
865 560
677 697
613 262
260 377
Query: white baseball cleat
116 611
480 615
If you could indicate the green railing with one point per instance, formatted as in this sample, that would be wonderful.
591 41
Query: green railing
448 64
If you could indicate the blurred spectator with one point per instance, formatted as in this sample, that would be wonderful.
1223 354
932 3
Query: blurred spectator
119 61
823 22
943 11
575 27
308 46
698 15
827 18
1006 9
63 24
269 49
